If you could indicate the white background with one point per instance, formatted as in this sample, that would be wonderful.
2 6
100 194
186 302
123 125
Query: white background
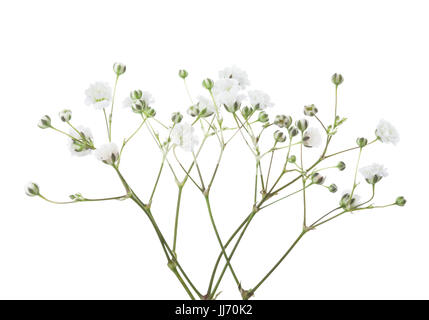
52 50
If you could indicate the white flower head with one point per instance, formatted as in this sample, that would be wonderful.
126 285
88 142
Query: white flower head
108 153
235 73
79 147
260 99
183 135
386 132
205 104
373 173
312 138
347 202
99 94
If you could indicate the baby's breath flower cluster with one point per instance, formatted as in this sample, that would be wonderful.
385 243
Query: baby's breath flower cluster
229 111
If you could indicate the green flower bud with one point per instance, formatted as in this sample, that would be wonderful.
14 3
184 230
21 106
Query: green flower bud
333 188
44 123
317 178
136 94
183 74
310 110
32 189
348 203
204 113
246 112
193 111
176 117
283 121
139 106
361 142
263 117
400 201
337 79
119 68
279 136
341 166
65 115
232 108
292 159
150 112
208 83
302 124
293 131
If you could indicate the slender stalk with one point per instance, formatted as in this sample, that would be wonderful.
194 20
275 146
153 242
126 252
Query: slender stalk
176 222
84 199
111 109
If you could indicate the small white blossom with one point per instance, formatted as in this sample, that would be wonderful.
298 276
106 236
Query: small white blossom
108 153
348 203
386 132
226 92
260 99
78 148
207 104
146 97
183 136
312 138
99 94
373 173
127 103
237 74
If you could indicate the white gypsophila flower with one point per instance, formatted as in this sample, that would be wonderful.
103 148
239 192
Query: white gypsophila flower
183 136
226 91
77 148
237 74
312 138
260 99
99 94
127 103
386 132
346 202
373 173
108 153
207 104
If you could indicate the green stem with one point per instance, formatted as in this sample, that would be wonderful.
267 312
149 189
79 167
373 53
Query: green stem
176 223
111 109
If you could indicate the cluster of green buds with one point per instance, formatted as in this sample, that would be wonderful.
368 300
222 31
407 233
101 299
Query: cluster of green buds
283 121
139 105
293 131
279 136
176 117
310 110
83 143
247 112
233 107
347 202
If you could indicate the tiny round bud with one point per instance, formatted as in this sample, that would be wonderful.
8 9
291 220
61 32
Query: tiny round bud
150 112
292 159
337 79
176 117
193 111
44 123
333 188
302 124
317 178
65 115
263 117
361 142
136 94
32 189
400 201
279 136
183 73
208 83
341 166
139 106
310 110
283 121
293 131
246 112
119 68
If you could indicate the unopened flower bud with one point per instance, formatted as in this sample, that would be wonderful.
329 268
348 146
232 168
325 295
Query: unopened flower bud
279 136
333 188
293 131
150 112
283 121
337 79
292 159
317 178
136 94
400 201
263 117
232 108
193 111
361 142
208 83
302 124
32 189
176 117
310 110
119 68
139 106
183 74
341 166
65 115
44 123
246 112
